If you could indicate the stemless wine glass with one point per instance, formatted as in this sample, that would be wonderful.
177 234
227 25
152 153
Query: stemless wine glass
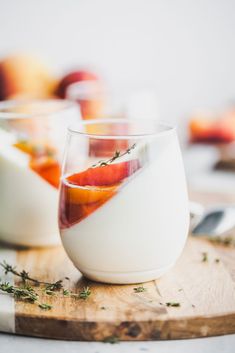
32 139
90 95
123 210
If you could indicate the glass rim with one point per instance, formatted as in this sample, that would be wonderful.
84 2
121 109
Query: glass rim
8 104
78 90
166 128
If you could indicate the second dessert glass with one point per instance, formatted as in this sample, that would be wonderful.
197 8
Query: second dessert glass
32 139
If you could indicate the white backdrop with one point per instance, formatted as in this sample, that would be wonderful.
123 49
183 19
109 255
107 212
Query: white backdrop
184 49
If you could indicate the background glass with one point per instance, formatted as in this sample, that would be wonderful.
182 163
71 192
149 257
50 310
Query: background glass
32 138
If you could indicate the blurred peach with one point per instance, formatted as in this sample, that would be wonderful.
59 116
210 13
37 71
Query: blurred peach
24 76
219 130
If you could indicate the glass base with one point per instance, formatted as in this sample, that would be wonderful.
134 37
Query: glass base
125 277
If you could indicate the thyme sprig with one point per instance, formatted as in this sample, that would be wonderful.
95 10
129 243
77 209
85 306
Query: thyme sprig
173 304
24 293
111 339
204 256
25 276
117 154
226 241
45 306
83 294
140 289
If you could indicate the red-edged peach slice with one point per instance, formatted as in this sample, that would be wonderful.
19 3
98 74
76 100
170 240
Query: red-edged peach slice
105 175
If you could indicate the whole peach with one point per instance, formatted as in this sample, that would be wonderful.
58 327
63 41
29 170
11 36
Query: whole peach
24 76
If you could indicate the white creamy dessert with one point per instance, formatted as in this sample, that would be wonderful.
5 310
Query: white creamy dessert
140 232
28 207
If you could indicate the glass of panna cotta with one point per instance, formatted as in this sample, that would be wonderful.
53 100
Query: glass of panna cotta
32 139
123 209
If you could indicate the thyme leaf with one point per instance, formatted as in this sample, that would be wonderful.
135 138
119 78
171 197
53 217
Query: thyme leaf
139 289
173 304
226 241
111 339
83 294
204 256
45 306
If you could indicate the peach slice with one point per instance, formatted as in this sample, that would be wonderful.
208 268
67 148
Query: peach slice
35 149
48 168
85 196
105 175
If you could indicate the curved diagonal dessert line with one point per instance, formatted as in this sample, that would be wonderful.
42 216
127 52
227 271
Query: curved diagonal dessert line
83 193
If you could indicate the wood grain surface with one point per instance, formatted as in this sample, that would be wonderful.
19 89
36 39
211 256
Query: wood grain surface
205 291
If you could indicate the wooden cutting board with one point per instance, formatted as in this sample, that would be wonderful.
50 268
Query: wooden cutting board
205 291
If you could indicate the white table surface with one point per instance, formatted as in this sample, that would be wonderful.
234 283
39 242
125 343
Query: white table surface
201 177
18 344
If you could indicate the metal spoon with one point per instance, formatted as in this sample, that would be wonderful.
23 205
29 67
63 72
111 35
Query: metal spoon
216 221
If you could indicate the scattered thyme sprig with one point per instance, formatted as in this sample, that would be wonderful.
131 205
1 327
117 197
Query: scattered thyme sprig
139 289
226 241
28 293
45 306
83 294
24 293
204 256
111 339
116 155
25 276
173 304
